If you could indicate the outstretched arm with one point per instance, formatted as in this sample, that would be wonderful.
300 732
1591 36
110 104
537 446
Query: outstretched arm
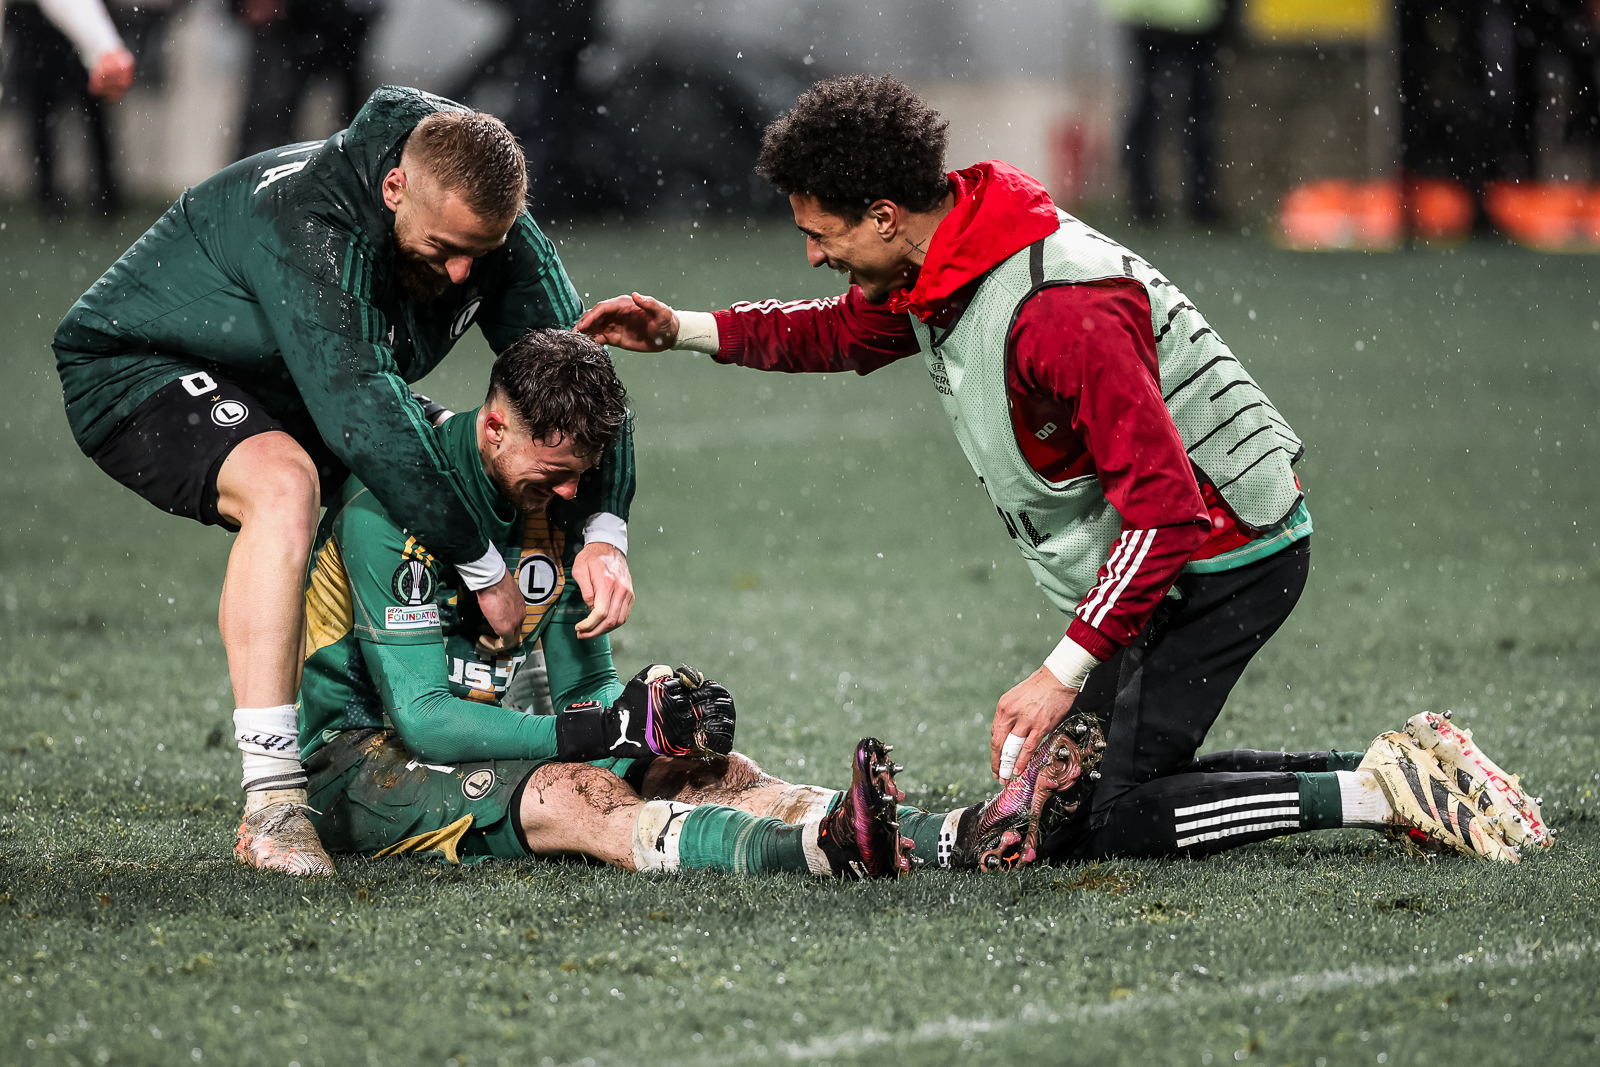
833 334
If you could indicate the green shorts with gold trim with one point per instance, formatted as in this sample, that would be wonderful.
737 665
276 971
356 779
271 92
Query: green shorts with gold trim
373 797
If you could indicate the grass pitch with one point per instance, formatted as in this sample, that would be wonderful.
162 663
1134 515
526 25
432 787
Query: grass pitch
819 545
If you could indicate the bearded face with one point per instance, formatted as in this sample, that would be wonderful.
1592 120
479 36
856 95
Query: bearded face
526 496
417 278
436 235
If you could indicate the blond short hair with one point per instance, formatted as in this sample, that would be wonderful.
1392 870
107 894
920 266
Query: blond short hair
474 156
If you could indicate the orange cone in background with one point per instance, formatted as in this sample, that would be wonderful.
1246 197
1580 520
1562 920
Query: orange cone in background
1548 216
1332 213
1375 216
1316 216
1588 223
1375 210
1438 210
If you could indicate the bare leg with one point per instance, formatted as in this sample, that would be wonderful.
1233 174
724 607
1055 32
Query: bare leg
268 487
575 809
736 782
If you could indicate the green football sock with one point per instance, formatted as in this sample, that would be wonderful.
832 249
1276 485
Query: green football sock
1344 761
923 828
719 838
1321 807
1333 799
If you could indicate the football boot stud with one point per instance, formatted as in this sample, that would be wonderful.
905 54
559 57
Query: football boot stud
861 836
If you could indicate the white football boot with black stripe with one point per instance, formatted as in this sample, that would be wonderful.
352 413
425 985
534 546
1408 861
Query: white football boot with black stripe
1428 805
1497 795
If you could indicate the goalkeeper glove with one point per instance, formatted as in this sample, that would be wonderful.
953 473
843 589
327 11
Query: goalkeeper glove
662 712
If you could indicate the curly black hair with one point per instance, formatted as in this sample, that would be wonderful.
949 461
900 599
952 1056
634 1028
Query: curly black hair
855 139
561 383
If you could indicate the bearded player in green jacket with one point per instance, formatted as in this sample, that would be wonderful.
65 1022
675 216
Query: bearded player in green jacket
255 346
417 738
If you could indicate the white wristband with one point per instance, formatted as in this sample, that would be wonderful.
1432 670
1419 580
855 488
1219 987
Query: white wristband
604 526
1071 663
697 332
486 571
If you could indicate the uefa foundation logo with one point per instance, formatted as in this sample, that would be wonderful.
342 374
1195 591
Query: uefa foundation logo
227 413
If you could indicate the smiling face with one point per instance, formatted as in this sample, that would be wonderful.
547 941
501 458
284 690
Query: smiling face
437 236
871 251
528 473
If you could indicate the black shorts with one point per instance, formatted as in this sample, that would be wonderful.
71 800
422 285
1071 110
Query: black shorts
170 448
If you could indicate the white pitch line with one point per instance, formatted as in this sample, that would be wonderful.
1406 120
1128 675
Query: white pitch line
1297 986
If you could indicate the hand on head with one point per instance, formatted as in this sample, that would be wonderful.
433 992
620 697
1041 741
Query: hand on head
635 322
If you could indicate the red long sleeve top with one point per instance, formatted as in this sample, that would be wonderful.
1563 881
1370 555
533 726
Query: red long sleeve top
1082 381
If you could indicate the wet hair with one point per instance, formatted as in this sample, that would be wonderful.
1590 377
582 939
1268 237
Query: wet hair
474 156
560 384
856 139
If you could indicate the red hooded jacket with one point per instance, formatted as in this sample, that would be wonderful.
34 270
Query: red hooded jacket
1081 357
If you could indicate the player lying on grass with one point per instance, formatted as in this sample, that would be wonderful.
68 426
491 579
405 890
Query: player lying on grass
257 342
418 733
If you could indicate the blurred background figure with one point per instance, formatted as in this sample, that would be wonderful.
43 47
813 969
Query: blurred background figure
548 110
1541 52
66 52
1172 50
1498 101
291 43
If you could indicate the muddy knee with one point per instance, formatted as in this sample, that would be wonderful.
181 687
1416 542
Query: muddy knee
673 776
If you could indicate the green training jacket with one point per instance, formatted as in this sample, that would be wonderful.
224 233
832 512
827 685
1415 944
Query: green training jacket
277 273
389 633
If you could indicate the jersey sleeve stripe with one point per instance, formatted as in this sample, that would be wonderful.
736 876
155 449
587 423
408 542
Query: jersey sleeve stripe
1117 579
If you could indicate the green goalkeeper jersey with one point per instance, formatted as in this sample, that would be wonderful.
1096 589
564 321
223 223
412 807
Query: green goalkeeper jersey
278 274
389 633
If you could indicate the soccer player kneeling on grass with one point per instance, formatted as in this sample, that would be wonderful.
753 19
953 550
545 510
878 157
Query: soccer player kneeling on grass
422 729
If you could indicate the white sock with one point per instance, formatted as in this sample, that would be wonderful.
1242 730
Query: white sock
947 835
802 804
657 833
811 844
270 741
1362 800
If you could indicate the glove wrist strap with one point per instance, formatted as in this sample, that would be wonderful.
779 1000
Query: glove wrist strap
590 731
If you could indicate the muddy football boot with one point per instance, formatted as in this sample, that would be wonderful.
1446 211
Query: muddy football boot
279 837
1498 796
1428 807
1005 831
861 835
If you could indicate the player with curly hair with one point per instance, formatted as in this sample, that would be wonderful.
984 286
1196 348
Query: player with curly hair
1145 477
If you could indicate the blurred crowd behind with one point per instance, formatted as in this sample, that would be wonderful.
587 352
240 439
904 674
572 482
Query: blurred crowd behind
1336 123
